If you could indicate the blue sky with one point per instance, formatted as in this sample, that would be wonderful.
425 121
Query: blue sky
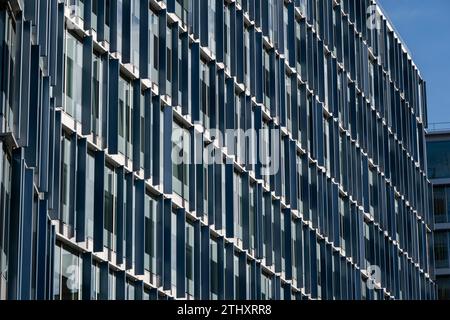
425 27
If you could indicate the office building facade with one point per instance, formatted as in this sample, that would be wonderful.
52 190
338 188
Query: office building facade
100 96
438 146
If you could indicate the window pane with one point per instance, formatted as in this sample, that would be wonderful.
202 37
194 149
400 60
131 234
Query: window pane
441 249
438 159
110 208
74 65
440 202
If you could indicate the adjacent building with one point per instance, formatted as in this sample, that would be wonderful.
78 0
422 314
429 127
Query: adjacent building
313 112
438 145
